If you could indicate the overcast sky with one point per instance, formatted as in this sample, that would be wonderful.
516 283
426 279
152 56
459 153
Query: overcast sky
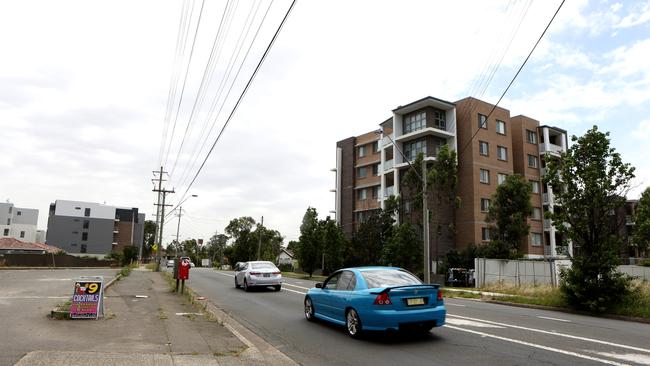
84 89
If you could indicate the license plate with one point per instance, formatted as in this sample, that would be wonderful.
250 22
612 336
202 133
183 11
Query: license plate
267 275
415 301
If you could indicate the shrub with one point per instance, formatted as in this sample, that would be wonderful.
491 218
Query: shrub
286 267
645 262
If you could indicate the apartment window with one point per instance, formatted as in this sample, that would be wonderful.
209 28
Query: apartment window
6 232
533 162
439 119
535 186
22 234
87 212
483 148
502 153
84 236
361 172
362 151
10 208
362 194
501 178
19 213
485 176
482 121
536 239
413 148
501 127
73 244
375 146
83 248
375 192
86 224
438 143
8 221
531 136
485 204
537 213
415 122
485 234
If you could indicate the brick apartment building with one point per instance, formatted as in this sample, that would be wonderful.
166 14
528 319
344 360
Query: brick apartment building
370 168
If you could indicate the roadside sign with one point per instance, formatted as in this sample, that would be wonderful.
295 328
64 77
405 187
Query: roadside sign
87 299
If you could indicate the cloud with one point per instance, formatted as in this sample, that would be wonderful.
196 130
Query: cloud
639 14
642 131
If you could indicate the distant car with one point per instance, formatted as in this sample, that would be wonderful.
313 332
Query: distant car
257 274
170 263
376 299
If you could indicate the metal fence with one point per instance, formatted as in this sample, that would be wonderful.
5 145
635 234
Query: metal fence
534 272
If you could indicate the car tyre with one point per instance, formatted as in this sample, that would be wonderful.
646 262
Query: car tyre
309 309
277 287
236 284
246 287
353 324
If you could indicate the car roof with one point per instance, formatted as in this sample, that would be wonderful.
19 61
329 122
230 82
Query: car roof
372 268
255 262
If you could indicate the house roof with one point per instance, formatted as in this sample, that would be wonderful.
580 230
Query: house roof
15 244
289 253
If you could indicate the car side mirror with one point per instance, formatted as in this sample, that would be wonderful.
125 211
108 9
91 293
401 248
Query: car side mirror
319 285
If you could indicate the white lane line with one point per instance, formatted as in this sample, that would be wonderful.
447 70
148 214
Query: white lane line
636 358
534 345
555 334
298 292
556 319
288 284
226 274
452 304
471 323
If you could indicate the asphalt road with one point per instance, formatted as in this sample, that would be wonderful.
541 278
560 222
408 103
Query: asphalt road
476 332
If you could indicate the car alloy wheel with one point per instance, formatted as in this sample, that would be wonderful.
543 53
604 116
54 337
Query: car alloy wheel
309 309
353 323
236 284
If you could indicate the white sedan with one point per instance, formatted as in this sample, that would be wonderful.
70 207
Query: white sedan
257 274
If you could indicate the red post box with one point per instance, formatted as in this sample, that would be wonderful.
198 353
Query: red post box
184 269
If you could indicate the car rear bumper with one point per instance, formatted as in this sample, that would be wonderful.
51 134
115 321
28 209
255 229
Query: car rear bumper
262 281
377 319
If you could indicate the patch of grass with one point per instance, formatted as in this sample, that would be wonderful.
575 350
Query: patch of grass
458 294
638 304
304 276
125 271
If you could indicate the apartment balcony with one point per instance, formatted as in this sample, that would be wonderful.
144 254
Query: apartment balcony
385 141
427 131
547 250
389 164
550 148
390 191
547 225
367 204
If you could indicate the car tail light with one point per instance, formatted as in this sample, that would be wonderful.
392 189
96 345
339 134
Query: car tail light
382 299
276 273
255 273
439 294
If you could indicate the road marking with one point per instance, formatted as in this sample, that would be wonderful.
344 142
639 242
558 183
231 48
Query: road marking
470 323
288 284
298 292
226 274
551 349
555 334
452 304
634 357
556 319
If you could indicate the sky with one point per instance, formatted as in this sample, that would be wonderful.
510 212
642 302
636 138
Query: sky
92 97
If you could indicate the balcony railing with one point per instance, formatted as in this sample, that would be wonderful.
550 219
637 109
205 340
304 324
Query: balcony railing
385 141
389 164
389 191
547 224
552 148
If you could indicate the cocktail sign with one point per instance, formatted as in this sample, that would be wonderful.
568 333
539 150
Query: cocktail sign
87 299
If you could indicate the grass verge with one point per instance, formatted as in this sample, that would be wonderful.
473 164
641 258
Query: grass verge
303 276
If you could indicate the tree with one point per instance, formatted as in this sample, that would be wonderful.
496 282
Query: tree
333 242
365 248
150 229
244 244
590 182
403 249
641 236
216 247
293 246
509 212
309 250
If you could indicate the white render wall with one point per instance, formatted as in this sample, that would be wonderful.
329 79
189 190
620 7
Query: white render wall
77 209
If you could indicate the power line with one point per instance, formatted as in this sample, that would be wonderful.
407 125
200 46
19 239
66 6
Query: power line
187 71
243 93
513 79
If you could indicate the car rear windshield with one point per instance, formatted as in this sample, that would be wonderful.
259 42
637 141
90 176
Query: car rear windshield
389 278
262 266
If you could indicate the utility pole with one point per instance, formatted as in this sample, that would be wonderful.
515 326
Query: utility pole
425 224
178 227
259 245
160 217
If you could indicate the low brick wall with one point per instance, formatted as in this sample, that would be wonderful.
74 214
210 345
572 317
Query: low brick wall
49 260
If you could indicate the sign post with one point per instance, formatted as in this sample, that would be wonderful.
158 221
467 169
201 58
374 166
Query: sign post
87 299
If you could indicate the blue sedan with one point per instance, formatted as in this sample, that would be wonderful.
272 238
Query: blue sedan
377 299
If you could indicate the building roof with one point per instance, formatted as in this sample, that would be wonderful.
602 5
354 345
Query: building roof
15 244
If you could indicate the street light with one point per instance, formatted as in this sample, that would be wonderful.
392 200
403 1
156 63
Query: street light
425 211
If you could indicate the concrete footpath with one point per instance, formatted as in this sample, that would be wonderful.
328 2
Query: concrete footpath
144 324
